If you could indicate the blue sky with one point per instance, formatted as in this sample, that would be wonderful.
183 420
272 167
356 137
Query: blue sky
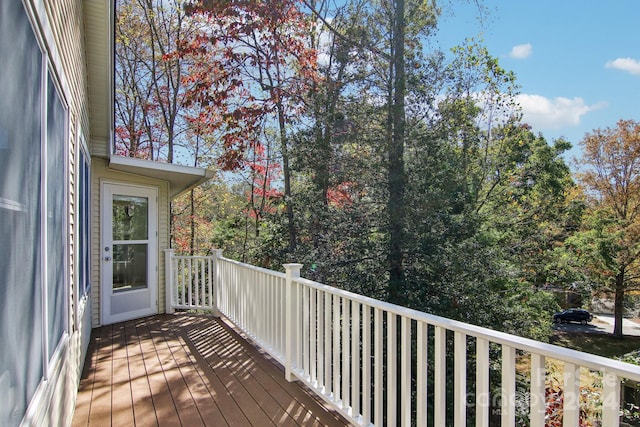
577 61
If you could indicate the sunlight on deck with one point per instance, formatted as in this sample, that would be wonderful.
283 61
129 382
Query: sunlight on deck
190 371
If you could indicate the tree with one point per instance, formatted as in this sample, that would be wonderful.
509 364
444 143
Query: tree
134 91
152 116
391 37
525 205
265 57
610 246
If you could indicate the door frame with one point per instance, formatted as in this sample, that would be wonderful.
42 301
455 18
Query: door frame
107 189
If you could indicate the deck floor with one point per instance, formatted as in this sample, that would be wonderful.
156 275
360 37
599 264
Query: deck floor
183 370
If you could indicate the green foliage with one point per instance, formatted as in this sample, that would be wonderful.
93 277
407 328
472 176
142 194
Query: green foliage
486 204
632 357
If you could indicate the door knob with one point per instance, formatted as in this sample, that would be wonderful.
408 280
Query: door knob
107 258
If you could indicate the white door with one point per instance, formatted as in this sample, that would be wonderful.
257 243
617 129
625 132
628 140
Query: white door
129 252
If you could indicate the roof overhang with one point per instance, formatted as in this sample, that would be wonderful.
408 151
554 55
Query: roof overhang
180 178
99 27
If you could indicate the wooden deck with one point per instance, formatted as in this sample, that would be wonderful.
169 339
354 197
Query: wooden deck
183 370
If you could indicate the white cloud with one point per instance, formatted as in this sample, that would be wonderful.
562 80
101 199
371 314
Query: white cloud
521 51
544 113
629 65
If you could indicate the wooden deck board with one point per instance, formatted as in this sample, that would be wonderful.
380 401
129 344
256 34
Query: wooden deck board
183 370
143 409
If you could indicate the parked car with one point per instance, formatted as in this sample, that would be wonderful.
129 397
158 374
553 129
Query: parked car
573 315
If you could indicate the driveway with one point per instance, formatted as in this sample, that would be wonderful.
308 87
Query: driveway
601 324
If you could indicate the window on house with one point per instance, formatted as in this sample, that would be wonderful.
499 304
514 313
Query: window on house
84 186
55 212
33 249
21 358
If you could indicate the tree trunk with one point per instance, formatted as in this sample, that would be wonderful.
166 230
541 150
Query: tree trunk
396 163
192 223
286 172
619 304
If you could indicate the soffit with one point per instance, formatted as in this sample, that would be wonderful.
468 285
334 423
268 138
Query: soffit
98 37
180 178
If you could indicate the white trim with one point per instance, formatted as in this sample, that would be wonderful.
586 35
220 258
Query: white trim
43 216
46 388
48 76
180 178
81 150
106 291
39 18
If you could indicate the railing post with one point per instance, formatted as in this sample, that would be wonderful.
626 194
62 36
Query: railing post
291 319
610 399
168 280
216 287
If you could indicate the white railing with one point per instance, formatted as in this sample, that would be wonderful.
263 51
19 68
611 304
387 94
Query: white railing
191 280
381 364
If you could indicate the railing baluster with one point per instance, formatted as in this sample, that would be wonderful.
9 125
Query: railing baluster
460 380
277 309
405 371
313 339
346 356
378 369
610 399
321 340
169 268
327 345
337 397
537 392
298 326
440 374
483 400
183 282
256 305
355 359
306 325
196 283
202 279
366 364
392 368
274 308
189 282
253 294
507 409
212 303
421 373
571 395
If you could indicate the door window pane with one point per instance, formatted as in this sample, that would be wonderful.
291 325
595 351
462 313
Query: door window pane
129 266
130 217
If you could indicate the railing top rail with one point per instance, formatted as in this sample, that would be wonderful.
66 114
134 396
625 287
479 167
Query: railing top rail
587 360
193 256
254 268
622 369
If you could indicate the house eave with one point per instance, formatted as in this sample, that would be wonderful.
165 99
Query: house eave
180 178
